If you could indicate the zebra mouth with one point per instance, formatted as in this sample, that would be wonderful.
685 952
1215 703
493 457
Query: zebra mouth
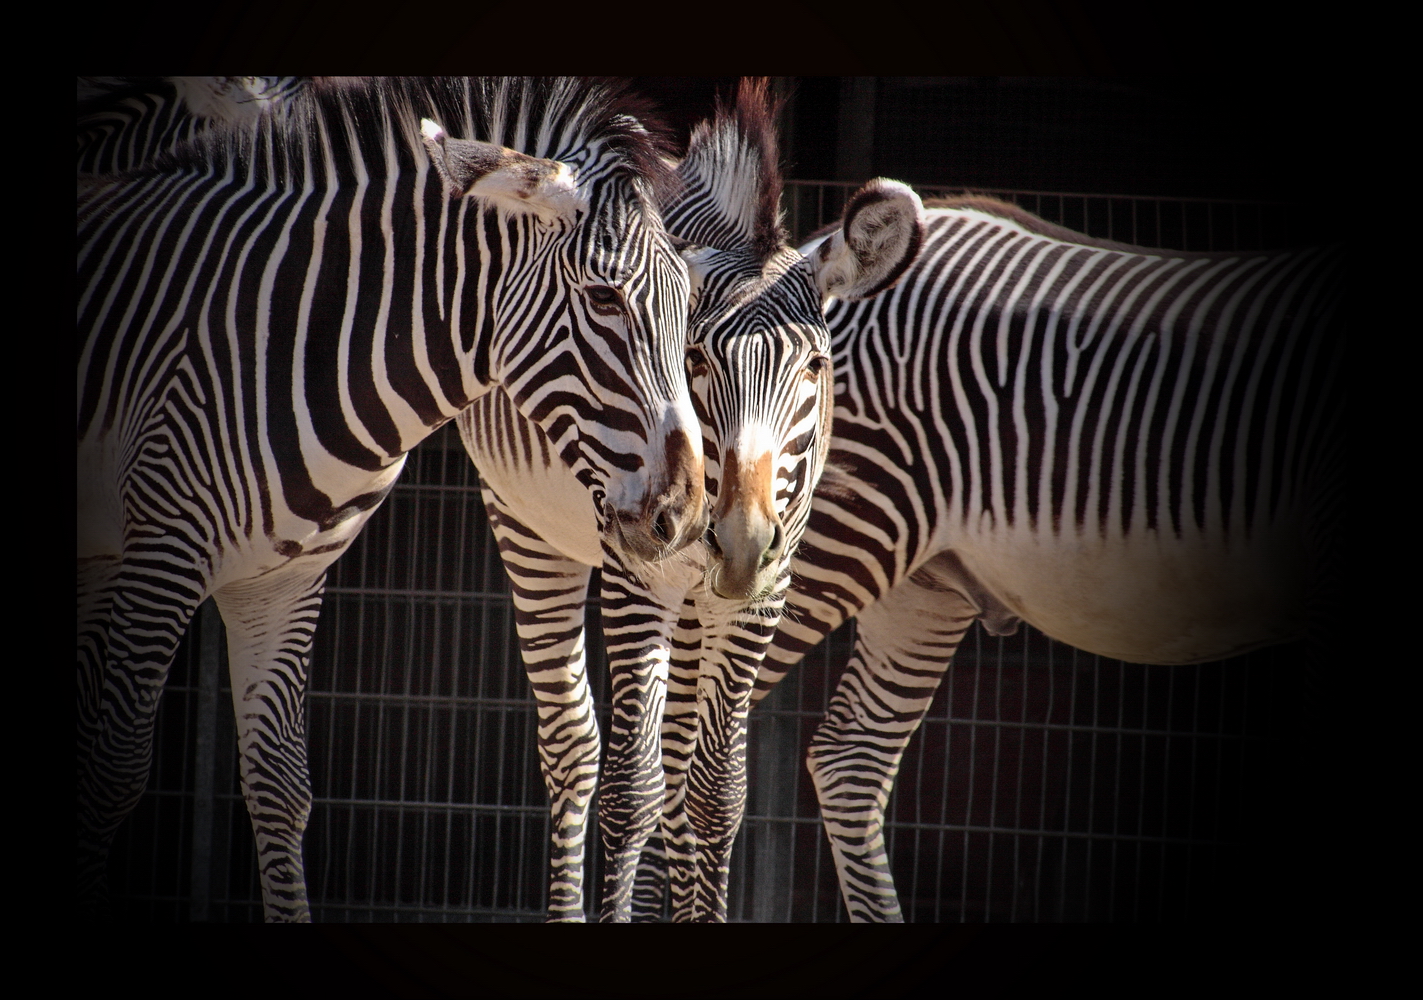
715 579
626 536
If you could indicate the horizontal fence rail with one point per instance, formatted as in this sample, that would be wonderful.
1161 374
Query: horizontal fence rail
1044 784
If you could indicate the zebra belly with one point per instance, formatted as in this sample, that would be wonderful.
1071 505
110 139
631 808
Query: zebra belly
1148 599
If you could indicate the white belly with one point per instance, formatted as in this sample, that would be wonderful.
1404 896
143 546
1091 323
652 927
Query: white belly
1147 599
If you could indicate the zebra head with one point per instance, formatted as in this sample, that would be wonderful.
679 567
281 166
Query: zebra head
586 326
758 352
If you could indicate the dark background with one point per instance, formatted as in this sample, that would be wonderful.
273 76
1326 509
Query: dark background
1237 108
1196 137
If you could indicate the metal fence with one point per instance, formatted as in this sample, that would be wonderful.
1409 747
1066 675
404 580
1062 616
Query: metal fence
1044 784
1196 224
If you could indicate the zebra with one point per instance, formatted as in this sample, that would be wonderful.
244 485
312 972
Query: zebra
758 360
125 123
273 314
1136 451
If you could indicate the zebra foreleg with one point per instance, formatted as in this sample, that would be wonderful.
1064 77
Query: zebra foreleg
131 623
270 622
638 620
550 591
715 787
903 645
669 857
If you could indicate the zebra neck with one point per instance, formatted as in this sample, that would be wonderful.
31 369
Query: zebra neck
1033 382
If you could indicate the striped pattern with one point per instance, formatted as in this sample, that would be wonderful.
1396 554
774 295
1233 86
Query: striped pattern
274 314
125 123
757 357
1136 451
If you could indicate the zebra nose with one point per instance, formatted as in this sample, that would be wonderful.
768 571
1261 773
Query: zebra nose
746 547
676 522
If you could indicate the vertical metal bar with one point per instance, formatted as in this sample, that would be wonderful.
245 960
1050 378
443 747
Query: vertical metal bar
1116 793
210 635
1018 787
774 799
1092 782
993 786
1043 772
972 776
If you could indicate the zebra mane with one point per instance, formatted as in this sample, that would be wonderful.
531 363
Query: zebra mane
1009 212
1028 222
732 177
554 118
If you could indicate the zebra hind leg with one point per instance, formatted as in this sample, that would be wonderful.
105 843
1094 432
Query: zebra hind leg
903 645
270 622
129 629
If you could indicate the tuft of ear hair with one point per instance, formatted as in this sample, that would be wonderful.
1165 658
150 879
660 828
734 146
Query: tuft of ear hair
512 180
880 235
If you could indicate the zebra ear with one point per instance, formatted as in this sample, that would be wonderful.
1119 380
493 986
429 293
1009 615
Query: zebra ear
880 236
512 180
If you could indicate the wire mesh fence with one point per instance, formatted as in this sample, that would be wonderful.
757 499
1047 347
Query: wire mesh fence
1044 784
1195 224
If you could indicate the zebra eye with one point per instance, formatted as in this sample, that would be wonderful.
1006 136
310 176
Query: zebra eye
605 300
816 366
801 444
697 363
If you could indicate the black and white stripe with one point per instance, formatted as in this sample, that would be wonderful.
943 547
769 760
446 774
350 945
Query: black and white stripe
761 383
272 314
1136 451
125 123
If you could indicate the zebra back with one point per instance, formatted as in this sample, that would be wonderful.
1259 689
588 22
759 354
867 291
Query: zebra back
125 123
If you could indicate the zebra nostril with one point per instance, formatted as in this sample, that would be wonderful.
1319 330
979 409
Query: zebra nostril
662 526
710 539
772 550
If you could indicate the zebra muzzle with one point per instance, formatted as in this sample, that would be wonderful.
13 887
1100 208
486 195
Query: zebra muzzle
672 516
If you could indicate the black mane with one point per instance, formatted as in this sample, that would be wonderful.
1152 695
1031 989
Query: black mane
561 116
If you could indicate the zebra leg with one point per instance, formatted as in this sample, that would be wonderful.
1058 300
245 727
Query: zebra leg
671 857
650 885
550 591
638 619
270 622
131 622
904 643
732 649
96 581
